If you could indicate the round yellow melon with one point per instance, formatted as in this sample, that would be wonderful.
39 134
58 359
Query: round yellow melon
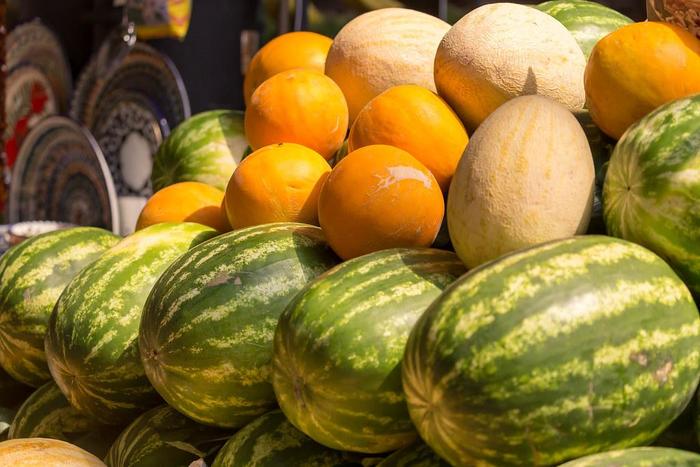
382 49
42 452
503 50
526 178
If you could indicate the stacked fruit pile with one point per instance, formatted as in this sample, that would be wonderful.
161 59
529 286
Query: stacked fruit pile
366 284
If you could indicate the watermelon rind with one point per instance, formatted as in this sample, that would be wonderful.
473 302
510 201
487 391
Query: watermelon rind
639 457
33 275
207 328
339 344
570 348
91 342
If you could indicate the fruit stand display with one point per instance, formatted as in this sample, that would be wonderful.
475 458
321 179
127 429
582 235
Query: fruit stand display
421 244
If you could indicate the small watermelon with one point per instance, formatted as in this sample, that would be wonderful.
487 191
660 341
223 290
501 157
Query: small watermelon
91 342
339 344
205 148
271 441
587 21
162 437
566 349
416 455
206 332
48 414
639 457
652 186
34 274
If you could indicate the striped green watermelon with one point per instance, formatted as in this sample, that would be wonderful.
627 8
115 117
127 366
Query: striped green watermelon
339 344
48 414
573 347
91 342
652 188
34 274
205 148
416 455
206 332
162 437
271 441
639 457
587 21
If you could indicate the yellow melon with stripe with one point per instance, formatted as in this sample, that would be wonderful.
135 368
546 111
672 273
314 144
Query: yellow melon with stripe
42 452
527 177
503 50
382 49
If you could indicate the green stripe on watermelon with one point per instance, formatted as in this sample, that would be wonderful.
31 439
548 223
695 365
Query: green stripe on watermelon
570 348
639 457
339 344
587 21
162 437
91 343
206 332
271 441
416 455
205 148
48 414
652 186
34 273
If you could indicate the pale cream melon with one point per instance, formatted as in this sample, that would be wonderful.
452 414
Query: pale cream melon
382 49
42 452
503 50
526 177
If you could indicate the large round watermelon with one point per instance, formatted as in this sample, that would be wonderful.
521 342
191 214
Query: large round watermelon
639 457
33 275
587 21
205 148
163 437
339 345
207 329
652 187
570 348
91 342
48 414
416 455
271 441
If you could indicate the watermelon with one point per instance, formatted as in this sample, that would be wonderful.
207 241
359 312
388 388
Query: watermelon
91 342
652 187
206 332
33 275
205 148
162 437
339 344
587 21
573 347
639 457
271 441
416 455
48 414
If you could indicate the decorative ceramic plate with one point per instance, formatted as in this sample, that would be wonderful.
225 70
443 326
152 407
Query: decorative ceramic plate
144 71
35 44
29 98
61 175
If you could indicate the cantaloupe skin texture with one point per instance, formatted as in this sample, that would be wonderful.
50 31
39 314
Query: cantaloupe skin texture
381 49
503 50
527 177
42 452
418 121
638 68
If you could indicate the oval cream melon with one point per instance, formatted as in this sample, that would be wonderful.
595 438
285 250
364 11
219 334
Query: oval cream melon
527 177
503 50
382 49
44 452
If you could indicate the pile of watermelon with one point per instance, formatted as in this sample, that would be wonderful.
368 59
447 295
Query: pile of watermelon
361 294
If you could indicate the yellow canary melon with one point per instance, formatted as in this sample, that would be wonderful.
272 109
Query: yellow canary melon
381 49
504 50
42 452
527 177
